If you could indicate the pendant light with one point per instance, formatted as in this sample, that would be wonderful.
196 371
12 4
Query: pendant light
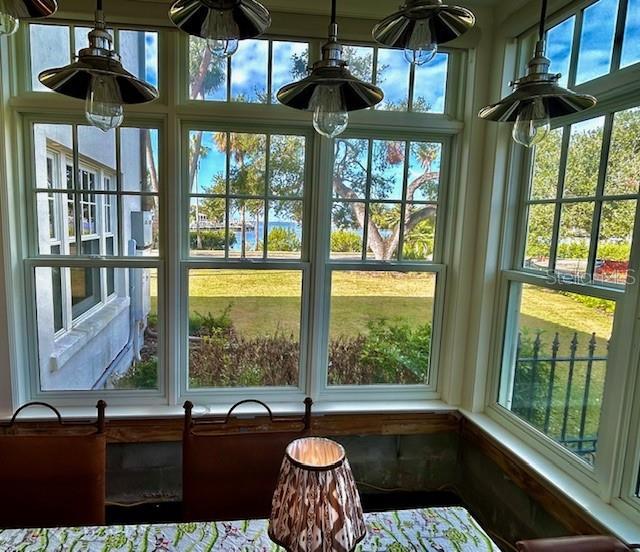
330 91
222 22
11 11
537 98
97 76
420 25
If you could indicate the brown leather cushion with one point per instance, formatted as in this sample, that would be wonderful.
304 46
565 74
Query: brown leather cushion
50 481
573 544
231 476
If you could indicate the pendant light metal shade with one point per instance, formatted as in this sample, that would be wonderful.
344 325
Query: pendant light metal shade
331 71
445 23
21 9
559 101
355 93
251 17
99 59
74 80
540 86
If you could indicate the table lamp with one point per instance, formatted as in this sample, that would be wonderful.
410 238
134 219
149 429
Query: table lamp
316 506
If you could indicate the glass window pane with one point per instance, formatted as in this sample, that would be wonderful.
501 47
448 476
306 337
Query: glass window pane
555 365
84 340
539 235
393 76
287 166
419 232
546 167
246 218
284 238
575 238
289 64
631 44
384 231
596 41
207 228
140 223
207 73
623 170
350 168
380 328
346 231
249 67
248 158
360 61
139 160
208 162
97 146
50 47
425 160
244 328
387 170
614 241
53 151
139 53
430 88
583 160
559 46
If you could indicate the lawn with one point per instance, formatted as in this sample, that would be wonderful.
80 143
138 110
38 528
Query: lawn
266 302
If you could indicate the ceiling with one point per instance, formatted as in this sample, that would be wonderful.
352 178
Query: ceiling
371 9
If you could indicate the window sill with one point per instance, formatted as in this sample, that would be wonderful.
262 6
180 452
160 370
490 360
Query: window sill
591 504
320 408
67 345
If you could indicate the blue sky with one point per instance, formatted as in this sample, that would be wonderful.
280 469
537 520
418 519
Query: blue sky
596 41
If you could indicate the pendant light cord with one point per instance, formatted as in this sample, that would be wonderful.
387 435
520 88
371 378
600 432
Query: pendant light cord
333 12
543 18
99 5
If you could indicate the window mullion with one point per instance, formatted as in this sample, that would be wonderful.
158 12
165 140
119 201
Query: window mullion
602 178
553 254
575 47
623 6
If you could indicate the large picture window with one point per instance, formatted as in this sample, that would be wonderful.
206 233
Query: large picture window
215 246
570 278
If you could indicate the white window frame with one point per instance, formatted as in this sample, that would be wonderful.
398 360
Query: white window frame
615 473
175 111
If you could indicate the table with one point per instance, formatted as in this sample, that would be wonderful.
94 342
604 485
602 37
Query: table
429 529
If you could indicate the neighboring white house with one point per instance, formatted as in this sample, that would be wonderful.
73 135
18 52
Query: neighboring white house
91 322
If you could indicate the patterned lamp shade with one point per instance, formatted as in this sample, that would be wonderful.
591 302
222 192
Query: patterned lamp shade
316 506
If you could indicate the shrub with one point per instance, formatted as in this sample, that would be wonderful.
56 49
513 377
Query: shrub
393 352
210 239
614 251
210 324
283 239
232 360
142 375
573 250
345 241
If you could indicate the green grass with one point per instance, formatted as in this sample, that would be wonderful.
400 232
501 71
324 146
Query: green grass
265 302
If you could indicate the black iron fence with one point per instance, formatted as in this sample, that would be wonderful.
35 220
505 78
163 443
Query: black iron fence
557 393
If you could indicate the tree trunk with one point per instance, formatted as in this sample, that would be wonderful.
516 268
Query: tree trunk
243 219
257 223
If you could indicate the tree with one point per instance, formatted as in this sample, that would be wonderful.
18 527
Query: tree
383 224
247 173
581 179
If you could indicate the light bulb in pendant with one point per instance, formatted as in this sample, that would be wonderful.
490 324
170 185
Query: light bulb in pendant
421 48
103 107
222 33
533 124
330 116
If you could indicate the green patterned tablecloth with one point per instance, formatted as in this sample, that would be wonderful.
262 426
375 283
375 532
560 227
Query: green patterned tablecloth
430 529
